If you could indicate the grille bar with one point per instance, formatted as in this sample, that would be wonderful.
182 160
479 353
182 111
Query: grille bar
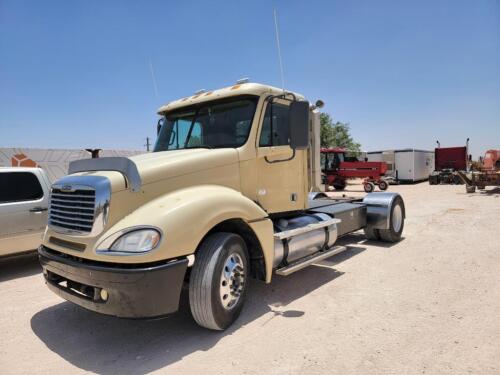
86 209
91 203
70 225
72 210
72 218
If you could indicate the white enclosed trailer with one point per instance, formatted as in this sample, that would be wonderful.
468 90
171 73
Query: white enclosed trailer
406 165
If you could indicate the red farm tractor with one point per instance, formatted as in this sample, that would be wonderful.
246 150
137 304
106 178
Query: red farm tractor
337 166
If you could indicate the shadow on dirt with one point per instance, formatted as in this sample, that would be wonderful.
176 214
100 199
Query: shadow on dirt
360 239
96 342
19 266
495 191
488 192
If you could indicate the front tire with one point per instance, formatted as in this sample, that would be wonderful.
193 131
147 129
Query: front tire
369 187
219 281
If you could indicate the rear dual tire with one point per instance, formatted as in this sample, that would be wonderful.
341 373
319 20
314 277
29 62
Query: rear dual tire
396 224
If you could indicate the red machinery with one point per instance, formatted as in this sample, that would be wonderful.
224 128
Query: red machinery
337 167
447 161
487 175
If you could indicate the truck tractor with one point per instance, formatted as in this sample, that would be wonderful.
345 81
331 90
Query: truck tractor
231 192
447 161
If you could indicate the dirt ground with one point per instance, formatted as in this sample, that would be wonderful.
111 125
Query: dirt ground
429 304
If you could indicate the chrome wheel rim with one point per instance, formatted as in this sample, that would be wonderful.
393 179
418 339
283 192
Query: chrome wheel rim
397 218
232 281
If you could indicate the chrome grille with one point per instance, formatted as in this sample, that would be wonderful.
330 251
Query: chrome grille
72 210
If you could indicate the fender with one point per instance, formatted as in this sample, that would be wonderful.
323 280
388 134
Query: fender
187 215
378 208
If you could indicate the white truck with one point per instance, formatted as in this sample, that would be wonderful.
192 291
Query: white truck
230 192
24 201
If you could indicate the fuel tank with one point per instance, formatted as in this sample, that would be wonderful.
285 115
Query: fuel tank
301 245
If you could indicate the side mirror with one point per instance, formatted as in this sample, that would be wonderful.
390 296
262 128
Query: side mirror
159 125
299 125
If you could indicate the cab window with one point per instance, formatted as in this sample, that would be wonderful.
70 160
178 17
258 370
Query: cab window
275 128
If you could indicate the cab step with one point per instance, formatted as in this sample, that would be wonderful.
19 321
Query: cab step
308 228
308 260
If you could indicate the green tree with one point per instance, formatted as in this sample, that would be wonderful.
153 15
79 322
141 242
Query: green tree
336 134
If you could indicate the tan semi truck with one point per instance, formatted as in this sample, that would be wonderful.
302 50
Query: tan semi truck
231 192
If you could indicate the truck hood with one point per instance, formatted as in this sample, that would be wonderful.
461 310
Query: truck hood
163 165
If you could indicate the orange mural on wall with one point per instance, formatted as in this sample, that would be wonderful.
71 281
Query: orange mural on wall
21 160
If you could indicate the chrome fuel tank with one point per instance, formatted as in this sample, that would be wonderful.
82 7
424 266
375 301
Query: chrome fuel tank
304 244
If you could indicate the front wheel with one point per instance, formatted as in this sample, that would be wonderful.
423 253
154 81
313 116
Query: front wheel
219 281
382 185
369 187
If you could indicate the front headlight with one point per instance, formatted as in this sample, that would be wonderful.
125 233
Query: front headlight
137 241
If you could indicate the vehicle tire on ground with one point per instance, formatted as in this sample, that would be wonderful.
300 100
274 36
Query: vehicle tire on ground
219 280
396 222
369 187
339 185
383 185
371 233
470 189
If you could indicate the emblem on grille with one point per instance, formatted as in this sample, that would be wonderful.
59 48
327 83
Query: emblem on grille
67 188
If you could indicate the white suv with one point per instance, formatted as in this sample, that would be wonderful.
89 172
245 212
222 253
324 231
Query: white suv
24 199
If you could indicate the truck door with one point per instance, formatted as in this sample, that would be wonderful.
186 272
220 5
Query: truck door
23 210
281 172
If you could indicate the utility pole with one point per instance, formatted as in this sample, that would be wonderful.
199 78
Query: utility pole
147 144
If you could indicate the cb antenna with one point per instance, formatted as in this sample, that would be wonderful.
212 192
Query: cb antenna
153 77
279 49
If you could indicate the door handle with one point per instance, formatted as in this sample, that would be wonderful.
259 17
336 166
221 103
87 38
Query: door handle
38 209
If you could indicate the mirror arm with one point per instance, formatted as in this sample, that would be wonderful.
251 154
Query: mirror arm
282 96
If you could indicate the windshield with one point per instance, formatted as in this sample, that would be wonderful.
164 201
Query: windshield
208 125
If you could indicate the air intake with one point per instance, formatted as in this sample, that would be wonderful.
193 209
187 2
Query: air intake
72 210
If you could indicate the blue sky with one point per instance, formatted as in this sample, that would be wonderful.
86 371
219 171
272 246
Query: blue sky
76 74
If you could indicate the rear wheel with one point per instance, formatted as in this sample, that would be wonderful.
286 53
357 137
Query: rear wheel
219 281
369 187
340 185
396 222
382 185
372 234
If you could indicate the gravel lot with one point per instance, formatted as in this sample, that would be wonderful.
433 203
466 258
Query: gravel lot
429 304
